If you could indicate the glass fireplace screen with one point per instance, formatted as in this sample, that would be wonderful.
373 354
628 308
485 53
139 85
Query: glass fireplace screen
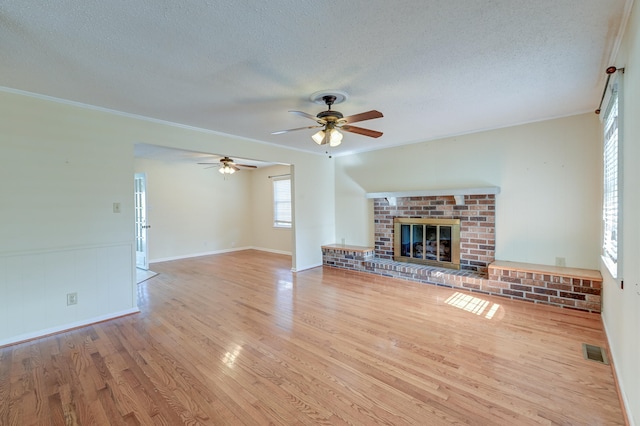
429 241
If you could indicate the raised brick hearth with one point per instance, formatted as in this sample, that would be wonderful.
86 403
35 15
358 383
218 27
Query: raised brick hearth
480 273
550 285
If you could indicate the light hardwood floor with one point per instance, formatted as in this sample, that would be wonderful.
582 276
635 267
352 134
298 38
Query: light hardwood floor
238 339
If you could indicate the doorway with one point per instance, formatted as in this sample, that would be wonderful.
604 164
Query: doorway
140 206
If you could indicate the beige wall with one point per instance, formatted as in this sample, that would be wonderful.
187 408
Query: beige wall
61 170
548 174
621 309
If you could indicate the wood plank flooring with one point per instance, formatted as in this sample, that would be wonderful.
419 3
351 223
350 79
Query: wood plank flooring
237 339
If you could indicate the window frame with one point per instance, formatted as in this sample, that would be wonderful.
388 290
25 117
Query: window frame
611 186
279 222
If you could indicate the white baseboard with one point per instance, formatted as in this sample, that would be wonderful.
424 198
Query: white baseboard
65 327
616 372
189 256
304 268
288 253
208 253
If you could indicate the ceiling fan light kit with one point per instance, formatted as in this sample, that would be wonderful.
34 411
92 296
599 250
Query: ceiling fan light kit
332 121
334 137
228 167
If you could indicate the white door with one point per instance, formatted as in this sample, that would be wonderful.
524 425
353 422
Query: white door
142 261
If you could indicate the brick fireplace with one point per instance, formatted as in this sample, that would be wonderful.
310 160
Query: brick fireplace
477 224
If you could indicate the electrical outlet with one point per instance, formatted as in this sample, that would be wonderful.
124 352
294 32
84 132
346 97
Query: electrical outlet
72 298
561 261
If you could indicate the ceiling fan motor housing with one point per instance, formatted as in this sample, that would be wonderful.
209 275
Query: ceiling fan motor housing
330 115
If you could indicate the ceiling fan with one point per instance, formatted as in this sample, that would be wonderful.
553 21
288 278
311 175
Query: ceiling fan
227 166
331 121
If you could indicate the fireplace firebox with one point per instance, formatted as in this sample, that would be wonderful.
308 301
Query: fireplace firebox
428 241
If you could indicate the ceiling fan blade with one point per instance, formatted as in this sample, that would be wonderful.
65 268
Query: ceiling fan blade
369 115
361 131
246 165
210 163
279 132
304 114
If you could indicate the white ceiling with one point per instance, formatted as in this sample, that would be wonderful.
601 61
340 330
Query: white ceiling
434 68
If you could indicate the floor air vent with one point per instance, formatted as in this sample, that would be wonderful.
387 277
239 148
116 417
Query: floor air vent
595 353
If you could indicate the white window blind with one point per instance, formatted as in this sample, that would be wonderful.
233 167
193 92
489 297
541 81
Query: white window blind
611 201
282 203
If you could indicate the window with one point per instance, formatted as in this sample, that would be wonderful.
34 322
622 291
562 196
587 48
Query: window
611 201
282 203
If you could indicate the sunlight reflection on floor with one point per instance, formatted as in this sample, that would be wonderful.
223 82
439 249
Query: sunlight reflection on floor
230 357
472 304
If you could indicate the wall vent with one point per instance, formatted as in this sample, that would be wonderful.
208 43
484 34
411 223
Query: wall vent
595 353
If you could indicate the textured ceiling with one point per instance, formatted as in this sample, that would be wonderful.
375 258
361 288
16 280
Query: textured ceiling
434 68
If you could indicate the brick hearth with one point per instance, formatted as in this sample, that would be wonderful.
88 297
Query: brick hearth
550 285
480 273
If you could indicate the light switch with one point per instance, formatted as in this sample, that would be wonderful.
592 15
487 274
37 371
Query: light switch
116 207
